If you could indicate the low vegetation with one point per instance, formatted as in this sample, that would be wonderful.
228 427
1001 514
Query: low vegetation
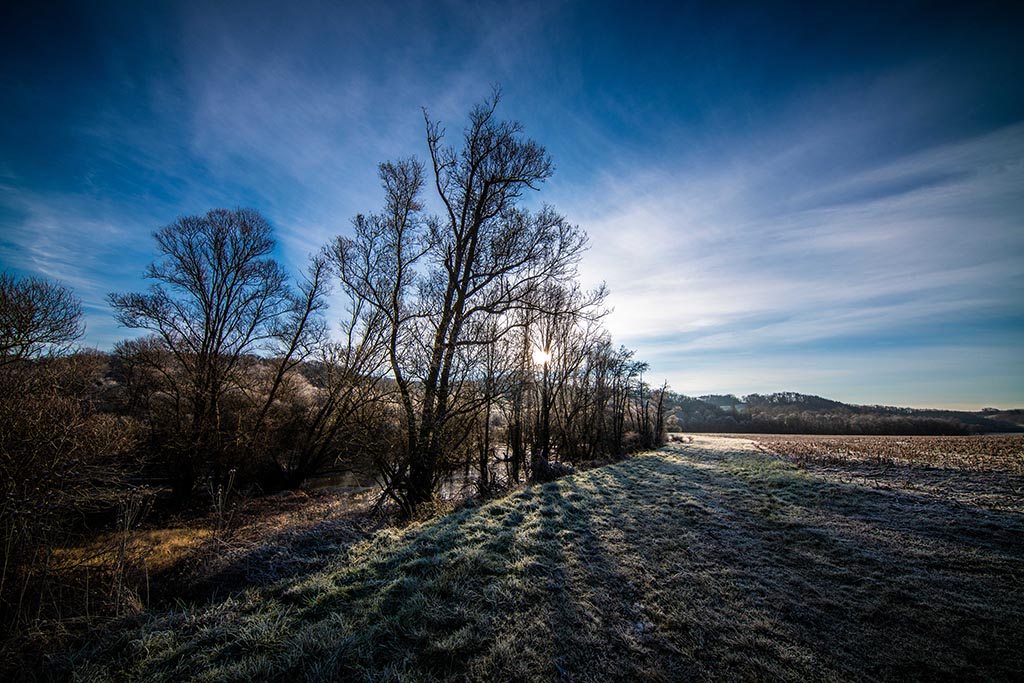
983 471
994 453
710 560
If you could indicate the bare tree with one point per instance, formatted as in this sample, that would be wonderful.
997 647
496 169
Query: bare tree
345 419
564 329
432 277
218 295
298 336
36 316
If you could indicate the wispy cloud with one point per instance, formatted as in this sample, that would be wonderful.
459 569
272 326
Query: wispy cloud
79 241
756 257
750 224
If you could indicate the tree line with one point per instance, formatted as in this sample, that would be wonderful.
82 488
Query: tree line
467 347
794 413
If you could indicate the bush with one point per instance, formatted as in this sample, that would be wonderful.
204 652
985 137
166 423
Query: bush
62 464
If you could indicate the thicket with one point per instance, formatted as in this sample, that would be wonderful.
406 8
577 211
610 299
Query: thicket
64 461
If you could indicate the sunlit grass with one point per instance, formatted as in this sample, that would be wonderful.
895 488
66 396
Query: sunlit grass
709 561
160 548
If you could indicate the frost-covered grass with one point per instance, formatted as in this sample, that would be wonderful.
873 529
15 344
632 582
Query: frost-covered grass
708 561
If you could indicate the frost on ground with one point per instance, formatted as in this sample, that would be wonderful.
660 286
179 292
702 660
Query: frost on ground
982 471
709 560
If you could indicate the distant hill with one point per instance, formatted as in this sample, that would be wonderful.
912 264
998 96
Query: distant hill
794 413
1010 416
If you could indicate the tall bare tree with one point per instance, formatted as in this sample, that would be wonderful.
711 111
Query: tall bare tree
431 277
218 294
563 331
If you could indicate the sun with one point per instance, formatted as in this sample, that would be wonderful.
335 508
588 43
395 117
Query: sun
541 356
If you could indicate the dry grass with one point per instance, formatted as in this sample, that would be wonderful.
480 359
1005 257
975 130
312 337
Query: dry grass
196 558
981 471
996 453
160 549
711 560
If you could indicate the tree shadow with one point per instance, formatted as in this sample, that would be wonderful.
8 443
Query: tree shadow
876 583
667 566
240 565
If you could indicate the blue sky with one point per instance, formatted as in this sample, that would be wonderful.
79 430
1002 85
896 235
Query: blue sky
813 198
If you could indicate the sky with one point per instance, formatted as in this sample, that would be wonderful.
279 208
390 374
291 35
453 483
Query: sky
798 197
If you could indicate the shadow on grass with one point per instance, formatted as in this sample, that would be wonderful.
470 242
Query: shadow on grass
676 565
876 584
236 566
763 485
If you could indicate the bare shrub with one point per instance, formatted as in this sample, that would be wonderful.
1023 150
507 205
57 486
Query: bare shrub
62 463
